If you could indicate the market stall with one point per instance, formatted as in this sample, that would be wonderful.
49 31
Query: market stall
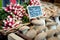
30 20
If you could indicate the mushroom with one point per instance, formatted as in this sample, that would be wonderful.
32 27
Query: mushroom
41 36
58 37
48 20
41 29
50 33
24 29
56 32
31 33
38 22
53 38
58 29
51 25
57 20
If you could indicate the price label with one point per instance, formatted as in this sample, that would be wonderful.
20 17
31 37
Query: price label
34 11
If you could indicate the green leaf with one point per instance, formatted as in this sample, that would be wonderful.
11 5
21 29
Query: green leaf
25 19
1 27
3 14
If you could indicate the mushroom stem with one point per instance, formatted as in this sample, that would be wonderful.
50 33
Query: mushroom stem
57 20
53 27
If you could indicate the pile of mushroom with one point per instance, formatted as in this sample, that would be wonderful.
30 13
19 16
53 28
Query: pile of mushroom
46 27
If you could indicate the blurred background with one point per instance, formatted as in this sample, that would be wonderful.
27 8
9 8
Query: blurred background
0 3
53 1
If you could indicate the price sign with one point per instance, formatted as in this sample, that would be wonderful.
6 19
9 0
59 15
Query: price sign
34 11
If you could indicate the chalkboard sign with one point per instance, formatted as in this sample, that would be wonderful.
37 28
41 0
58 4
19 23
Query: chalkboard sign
34 11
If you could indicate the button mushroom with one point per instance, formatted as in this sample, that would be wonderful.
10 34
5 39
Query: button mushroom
41 36
31 33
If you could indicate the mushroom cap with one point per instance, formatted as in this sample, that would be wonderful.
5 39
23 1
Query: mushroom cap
41 28
49 20
58 29
56 32
41 36
53 38
24 27
51 23
37 22
58 36
31 33
50 33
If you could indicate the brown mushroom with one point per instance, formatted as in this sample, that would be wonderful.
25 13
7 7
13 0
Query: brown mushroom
53 38
41 36
41 28
50 33
31 33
